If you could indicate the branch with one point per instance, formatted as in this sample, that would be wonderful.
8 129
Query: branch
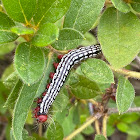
56 51
128 73
105 126
40 129
86 124
93 102
115 110
97 127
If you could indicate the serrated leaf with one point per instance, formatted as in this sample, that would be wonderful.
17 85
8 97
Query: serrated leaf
118 33
29 62
125 94
10 102
5 25
136 5
82 14
82 87
97 70
20 10
46 35
22 30
50 11
26 98
99 137
68 39
55 131
121 5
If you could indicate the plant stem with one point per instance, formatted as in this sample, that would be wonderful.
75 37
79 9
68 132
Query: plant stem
105 125
97 127
128 73
93 102
115 110
56 51
86 124
40 129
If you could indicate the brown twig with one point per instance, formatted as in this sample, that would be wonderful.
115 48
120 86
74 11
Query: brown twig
115 110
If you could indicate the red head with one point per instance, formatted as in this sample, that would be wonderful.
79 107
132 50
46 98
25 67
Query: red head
42 118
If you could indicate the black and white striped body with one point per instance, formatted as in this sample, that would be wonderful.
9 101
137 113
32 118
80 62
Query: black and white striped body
68 60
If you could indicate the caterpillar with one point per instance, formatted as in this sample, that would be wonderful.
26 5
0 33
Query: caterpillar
58 79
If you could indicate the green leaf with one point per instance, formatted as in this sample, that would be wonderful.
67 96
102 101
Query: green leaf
30 119
129 118
20 10
10 102
79 137
99 137
110 130
49 67
25 135
136 5
137 101
82 87
7 48
3 91
68 39
82 14
121 5
123 127
5 25
24 102
29 62
61 100
89 40
46 35
50 11
97 70
55 131
22 30
134 129
67 122
125 94
11 80
8 71
89 130
26 98
118 34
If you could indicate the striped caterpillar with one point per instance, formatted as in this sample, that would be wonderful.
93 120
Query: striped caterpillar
58 79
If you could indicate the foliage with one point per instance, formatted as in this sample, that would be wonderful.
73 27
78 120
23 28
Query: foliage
37 30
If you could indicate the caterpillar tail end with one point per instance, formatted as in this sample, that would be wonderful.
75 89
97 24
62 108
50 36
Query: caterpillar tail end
41 118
